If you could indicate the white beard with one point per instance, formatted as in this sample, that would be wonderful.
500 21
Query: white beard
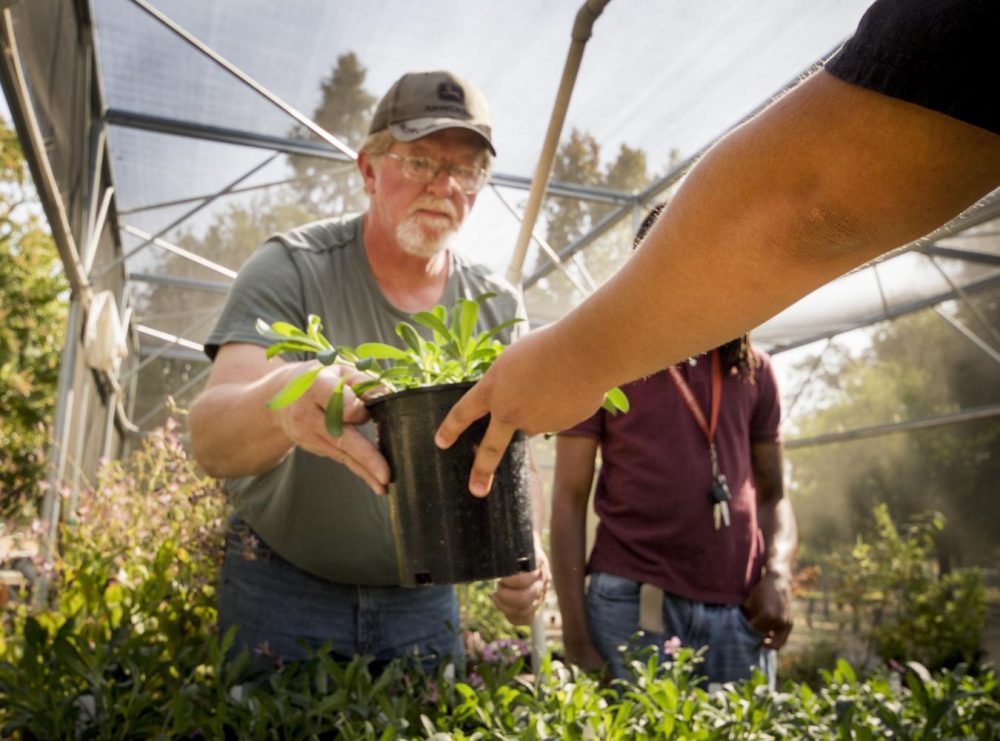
413 240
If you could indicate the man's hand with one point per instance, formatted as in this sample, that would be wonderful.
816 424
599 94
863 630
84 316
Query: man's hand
520 596
768 608
527 389
305 424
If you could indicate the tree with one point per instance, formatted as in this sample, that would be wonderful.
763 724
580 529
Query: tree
320 188
917 366
32 324
578 161
345 110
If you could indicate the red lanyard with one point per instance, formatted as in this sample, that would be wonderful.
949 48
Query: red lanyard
715 401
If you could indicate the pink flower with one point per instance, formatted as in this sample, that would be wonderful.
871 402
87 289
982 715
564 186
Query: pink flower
672 646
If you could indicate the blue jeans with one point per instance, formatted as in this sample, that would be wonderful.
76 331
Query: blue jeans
734 647
284 613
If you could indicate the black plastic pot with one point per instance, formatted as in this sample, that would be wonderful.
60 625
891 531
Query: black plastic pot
444 534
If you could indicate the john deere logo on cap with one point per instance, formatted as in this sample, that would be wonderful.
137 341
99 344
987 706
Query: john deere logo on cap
450 91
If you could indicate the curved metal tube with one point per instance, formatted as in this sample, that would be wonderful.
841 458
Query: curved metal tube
582 27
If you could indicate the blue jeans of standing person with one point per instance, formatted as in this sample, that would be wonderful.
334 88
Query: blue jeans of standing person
734 647
284 613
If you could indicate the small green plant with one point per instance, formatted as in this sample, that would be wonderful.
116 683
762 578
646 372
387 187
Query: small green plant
454 354
901 603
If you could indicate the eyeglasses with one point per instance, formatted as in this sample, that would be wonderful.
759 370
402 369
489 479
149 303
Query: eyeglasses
424 169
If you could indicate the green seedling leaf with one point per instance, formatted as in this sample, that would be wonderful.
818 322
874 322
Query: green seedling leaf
360 389
398 372
410 337
335 410
314 329
433 322
381 351
289 331
328 356
468 312
294 389
483 297
616 401
347 353
286 346
493 332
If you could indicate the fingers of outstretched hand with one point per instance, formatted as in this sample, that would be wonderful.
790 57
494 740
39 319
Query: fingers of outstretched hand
488 455
467 410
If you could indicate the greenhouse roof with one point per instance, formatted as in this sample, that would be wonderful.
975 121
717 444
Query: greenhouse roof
150 120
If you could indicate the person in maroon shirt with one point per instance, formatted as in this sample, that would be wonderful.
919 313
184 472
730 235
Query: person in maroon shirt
695 539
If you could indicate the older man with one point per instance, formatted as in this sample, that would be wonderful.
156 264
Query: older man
310 557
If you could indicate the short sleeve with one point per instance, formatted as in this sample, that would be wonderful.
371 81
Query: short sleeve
593 427
938 54
268 287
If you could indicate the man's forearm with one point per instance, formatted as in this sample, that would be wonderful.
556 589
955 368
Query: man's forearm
781 539
234 433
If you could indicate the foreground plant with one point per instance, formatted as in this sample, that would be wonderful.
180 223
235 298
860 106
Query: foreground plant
454 354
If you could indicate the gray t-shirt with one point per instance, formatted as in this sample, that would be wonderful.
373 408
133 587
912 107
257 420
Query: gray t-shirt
310 509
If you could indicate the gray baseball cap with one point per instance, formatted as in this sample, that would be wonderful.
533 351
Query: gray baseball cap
420 103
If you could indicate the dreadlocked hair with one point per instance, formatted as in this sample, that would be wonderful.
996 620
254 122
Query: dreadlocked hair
739 354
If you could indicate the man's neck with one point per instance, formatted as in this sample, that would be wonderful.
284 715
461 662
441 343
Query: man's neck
409 282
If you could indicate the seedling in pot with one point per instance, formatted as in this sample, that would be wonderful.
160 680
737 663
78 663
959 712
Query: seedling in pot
454 354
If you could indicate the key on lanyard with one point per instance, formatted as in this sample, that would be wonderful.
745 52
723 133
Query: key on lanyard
719 493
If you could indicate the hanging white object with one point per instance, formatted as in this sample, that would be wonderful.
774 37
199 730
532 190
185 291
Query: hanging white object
103 338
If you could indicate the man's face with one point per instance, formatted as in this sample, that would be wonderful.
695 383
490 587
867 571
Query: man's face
423 217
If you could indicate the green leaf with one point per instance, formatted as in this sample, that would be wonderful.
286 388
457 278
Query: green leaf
289 330
328 356
314 328
294 389
381 351
435 323
335 410
287 346
494 331
360 389
616 401
410 337
468 313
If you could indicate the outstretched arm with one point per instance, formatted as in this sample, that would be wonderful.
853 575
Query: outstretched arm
823 180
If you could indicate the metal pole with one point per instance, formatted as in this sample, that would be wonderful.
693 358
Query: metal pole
967 415
247 80
585 18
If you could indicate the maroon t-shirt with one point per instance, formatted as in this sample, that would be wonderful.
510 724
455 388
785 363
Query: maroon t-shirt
652 496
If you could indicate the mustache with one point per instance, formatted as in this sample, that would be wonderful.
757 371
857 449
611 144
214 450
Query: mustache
442 205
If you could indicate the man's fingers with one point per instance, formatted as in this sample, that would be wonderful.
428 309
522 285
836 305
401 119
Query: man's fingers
356 452
467 410
488 456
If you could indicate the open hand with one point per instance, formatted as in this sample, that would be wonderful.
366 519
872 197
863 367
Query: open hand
527 389
304 422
